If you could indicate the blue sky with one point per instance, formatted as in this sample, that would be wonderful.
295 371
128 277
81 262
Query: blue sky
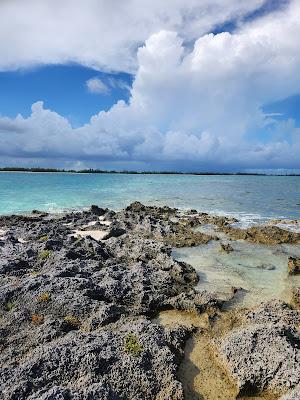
286 108
178 85
62 88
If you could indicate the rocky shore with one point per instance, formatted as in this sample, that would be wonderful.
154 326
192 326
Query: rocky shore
80 291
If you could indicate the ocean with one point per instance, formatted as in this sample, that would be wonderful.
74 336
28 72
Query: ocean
252 199
249 198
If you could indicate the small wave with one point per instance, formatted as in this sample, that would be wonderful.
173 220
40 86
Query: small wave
245 220
293 227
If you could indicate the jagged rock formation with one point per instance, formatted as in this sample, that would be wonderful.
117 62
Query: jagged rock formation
75 311
264 353
69 303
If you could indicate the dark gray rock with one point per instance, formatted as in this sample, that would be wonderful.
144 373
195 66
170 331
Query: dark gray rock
275 312
199 301
100 365
67 305
98 210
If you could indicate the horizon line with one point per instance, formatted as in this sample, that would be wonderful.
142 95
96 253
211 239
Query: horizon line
134 172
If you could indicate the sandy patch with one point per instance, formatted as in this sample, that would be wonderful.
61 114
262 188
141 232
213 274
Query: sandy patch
92 223
101 219
97 234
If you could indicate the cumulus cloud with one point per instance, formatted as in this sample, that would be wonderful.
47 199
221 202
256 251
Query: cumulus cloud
95 85
102 34
199 106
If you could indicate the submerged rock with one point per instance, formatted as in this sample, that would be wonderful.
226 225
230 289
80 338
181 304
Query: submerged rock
227 248
267 267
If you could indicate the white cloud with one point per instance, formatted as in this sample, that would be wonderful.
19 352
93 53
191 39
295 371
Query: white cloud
95 85
190 107
102 34
117 83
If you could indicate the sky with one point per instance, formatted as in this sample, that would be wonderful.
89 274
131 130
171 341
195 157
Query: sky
187 85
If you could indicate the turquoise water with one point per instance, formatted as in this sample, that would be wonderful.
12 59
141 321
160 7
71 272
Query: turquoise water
251 198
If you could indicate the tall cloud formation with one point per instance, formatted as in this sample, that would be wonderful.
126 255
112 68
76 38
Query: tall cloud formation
198 107
102 34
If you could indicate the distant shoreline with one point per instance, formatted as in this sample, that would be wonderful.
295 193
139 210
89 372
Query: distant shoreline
99 171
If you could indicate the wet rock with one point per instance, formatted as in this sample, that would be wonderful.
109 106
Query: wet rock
236 290
294 266
219 221
186 238
227 248
198 301
40 213
159 223
296 296
264 235
158 212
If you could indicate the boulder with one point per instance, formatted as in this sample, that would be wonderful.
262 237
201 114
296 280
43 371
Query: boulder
265 353
134 359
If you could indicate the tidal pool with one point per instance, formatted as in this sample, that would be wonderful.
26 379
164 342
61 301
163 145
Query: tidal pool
261 270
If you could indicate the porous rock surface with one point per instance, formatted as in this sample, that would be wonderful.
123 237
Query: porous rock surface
293 265
67 304
264 353
94 365
263 234
75 311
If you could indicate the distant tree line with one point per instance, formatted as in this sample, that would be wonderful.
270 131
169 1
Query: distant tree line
100 171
